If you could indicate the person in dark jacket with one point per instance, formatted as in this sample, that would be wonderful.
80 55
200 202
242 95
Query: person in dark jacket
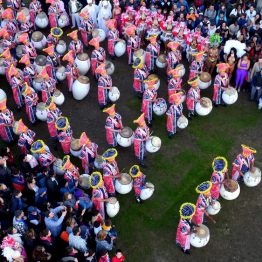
256 86
17 202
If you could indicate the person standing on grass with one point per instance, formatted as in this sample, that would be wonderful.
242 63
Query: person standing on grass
193 96
242 72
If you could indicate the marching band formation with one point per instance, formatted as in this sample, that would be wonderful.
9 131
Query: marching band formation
33 63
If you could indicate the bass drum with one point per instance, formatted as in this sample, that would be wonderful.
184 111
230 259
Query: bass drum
60 47
252 179
84 181
230 96
99 162
82 62
120 48
57 167
112 207
148 191
160 106
125 138
114 94
59 97
41 20
157 82
182 122
201 237
214 208
37 83
75 147
204 80
204 106
110 68
2 68
38 39
61 73
99 32
124 184
153 144
63 21
41 112
81 87
230 189
161 61
40 63
140 53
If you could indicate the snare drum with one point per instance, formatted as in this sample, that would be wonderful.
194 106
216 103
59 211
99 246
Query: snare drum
63 21
110 68
201 237
37 83
126 137
61 73
99 162
99 32
161 61
60 47
214 208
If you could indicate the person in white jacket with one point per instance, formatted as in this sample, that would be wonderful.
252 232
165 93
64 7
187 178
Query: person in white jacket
92 10
104 14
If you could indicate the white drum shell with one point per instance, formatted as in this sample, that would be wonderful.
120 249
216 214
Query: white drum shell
102 34
146 193
59 100
182 122
202 111
158 109
57 167
230 99
80 90
214 208
143 57
120 48
160 64
114 94
60 48
98 165
41 44
123 189
198 242
86 176
124 141
204 85
83 66
41 22
229 195
112 209
62 21
150 147
37 85
2 94
60 74
181 72
251 179
41 114
75 153
111 69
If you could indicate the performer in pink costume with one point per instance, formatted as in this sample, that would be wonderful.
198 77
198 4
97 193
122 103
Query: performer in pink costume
193 96
75 45
133 42
196 66
152 52
175 82
86 27
112 37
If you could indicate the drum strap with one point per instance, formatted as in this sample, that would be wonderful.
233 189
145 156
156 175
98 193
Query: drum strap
115 121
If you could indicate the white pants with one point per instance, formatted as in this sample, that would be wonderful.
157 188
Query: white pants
75 19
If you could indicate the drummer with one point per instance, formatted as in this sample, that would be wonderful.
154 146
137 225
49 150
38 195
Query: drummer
71 172
140 74
112 37
52 60
9 62
53 13
29 71
26 26
35 8
152 52
203 201
193 96
175 82
75 45
64 133
174 56
98 55
88 153
221 83
86 27
99 193
139 181
220 170
197 64
173 113
104 85
28 47
187 211
141 135
6 122
149 97
72 71
110 170
26 137
243 163
12 27
133 42
113 125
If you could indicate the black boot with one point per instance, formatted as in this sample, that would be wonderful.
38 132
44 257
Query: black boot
139 200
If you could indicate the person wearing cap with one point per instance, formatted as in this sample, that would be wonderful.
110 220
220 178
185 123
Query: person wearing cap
98 55
141 135
12 25
6 122
29 71
173 56
203 201
75 44
53 13
30 99
99 193
71 171
112 37
197 64
88 153
9 61
110 170
152 52
153 28
185 227
52 115
175 82
140 74
26 26
173 113
72 72
221 83
149 97
243 162
86 27
26 137
42 153
52 60
133 42
113 125
35 8
139 181
192 97
104 85
219 166
141 23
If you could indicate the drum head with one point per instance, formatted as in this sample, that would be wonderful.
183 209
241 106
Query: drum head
156 141
139 53
83 57
113 200
99 159
75 144
61 42
42 15
230 185
126 132
84 181
41 106
125 179
39 79
61 69
37 36
206 102
149 185
57 93
202 231
40 60
230 91
162 58
152 77
205 77
83 79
